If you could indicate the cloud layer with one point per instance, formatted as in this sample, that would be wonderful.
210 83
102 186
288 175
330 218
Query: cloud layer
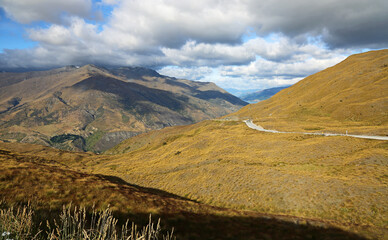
235 43
27 11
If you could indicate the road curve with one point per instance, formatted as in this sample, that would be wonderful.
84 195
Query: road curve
250 124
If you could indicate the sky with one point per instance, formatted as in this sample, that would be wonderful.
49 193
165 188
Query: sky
239 44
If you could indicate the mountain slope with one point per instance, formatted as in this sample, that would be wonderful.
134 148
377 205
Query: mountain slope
351 95
43 177
225 163
92 108
262 95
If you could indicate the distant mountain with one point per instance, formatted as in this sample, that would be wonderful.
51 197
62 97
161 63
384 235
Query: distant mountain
262 95
94 108
240 92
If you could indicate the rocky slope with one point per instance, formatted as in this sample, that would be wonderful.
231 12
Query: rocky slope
93 108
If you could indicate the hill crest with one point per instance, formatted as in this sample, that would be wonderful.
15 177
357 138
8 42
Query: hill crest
351 95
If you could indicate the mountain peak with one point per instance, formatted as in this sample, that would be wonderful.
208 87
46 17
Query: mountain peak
135 72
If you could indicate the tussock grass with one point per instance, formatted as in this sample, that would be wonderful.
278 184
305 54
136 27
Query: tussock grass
333 178
17 223
49 179
73 224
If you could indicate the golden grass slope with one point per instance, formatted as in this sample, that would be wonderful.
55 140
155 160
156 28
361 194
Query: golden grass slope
224 163
352 95
45 178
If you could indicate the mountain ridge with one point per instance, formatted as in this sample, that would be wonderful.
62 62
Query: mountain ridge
264 94
92 100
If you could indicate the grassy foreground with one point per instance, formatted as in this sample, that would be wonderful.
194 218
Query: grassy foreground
49 179
73 223
226 164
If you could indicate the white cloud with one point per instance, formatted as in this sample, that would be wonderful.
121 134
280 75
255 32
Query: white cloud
275 70
302 65
192 73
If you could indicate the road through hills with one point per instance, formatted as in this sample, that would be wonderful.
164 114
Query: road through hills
250 124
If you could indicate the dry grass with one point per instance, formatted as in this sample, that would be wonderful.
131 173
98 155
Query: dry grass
73 224
227 164
17 223
49 181
350 96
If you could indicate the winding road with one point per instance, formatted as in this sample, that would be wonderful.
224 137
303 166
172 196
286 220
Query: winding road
250 124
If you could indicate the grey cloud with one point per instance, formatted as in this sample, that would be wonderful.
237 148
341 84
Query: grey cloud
192 73
345 23
27 11
171 23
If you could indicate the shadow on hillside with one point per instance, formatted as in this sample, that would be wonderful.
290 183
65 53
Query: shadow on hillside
188 225
117 180
192 226
131 94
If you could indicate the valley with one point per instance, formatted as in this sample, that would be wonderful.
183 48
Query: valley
218 178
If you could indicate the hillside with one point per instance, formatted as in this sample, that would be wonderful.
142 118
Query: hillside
224 163
262 94
92 108
43 177
351 95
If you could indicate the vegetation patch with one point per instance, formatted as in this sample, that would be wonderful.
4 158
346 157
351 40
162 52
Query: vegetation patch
124 118
15 135
93 139
64 138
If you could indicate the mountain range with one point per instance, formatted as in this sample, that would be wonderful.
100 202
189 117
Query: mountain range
218 178
261 95
92 108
